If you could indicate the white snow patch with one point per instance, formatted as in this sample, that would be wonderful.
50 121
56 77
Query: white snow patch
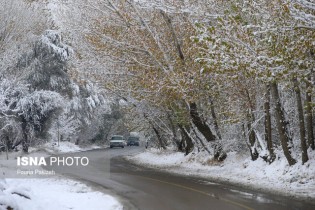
52 194
161 158
278 177
67 147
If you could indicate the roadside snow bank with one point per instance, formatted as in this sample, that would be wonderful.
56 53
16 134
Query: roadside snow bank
278 177
52 194
67 147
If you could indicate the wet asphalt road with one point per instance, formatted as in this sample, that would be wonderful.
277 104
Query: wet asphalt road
149 189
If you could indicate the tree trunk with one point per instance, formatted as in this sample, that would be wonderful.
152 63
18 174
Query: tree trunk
187 139
173 127
215 119
157 133
180 145
282 125
176 41
7 147
200 123
219 153
249 139
204 129
251 133
309 115
252 140
200 140
25 141
268 129
301 120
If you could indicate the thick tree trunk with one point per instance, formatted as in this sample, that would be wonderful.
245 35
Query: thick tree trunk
205 130
282 124
186 137
219 153
249 136
252 140
251 133
301 120
201 142
309 116
200 123
180 145
268 129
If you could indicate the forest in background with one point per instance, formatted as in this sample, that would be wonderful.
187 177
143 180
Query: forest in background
213 76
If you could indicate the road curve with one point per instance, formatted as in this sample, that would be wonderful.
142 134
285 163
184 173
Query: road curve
148 189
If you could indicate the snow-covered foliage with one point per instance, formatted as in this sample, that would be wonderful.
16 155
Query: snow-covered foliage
45 65
19 21
19 105
20 24
39 106
52 39
303 11
11 92
232 75
86 103
43 97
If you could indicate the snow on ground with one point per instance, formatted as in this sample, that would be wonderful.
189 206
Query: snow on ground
67 147
8 168
52 194
297 181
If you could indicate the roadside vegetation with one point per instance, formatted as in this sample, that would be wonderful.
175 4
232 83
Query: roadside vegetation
214 77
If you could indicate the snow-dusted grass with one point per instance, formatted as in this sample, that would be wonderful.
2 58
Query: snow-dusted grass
52 194
278 177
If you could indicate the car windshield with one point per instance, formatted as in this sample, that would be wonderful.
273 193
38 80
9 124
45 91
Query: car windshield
133 139
117 138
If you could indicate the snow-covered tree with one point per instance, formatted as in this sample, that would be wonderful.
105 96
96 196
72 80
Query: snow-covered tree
147 45
258 42
195 74
20 22
11 92
37 111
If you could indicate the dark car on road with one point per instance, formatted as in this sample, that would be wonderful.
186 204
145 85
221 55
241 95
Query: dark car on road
133 141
